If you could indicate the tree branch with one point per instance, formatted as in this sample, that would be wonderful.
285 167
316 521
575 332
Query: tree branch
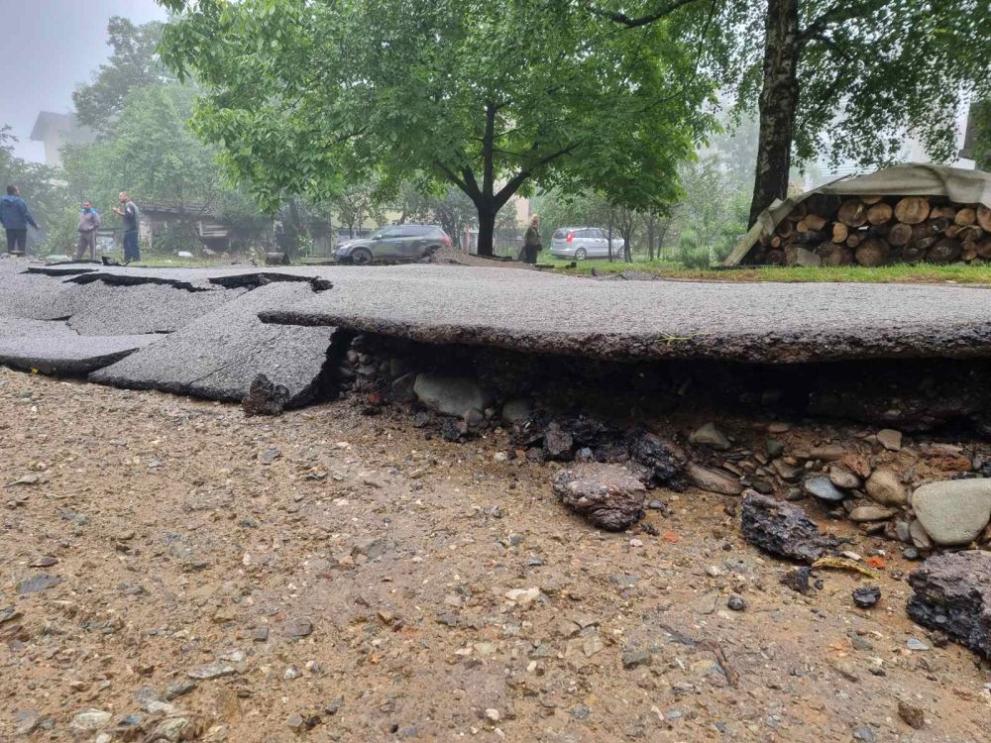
625 20
514 183
841 12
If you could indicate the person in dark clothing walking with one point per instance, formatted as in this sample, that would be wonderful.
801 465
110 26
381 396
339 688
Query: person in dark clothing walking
89 223
531 241
129 213
15 217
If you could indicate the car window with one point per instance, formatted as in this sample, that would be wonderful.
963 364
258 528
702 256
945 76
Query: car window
586 233
597 233
559 234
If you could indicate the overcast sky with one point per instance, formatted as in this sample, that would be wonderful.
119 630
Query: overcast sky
50 47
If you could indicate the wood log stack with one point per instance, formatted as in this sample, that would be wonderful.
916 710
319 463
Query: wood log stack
828 230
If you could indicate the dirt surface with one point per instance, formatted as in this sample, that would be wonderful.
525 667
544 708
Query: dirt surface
346 574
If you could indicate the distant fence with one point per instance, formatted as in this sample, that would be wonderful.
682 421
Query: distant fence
506 242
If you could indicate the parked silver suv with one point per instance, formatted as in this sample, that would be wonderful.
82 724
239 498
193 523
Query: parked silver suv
580 243
399 242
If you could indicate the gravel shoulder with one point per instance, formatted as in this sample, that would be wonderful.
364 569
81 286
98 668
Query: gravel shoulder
343 578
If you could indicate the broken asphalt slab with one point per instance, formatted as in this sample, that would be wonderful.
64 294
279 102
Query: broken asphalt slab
218 355
68 354
750 322
538 312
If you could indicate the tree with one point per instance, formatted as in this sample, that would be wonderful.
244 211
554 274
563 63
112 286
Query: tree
356 203
152 153
133 64
843 77
493 97
452 210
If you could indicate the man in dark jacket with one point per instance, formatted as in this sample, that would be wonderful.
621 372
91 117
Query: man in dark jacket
15 217
531 241
89 223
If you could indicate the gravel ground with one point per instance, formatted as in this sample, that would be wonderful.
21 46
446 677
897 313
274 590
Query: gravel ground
343 578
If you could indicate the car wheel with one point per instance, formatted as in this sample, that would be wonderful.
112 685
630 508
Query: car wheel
361 256
581 254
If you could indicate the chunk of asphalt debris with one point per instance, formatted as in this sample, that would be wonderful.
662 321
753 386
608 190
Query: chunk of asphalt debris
782 529
953 595
609 496
797 579
866 596
265 397
69 356
664 464
220 354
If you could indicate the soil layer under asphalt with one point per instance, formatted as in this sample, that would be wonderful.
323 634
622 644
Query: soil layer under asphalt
175 570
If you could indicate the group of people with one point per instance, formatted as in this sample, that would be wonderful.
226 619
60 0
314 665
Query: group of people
16 217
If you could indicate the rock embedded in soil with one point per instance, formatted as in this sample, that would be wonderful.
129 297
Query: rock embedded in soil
914 717
609 496
265 397
841 477
736 602
90 719
920 538
783 529
867 514
713 480
953 512
884 487
890 439
454 396
797 579
822 488
866 596
953 595
558 444
709 435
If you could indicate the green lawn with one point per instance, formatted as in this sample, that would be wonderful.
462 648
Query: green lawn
918 274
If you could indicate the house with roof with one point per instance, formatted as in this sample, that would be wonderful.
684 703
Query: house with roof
55 131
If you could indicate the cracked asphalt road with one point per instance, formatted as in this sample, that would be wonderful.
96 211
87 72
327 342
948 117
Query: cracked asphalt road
615 319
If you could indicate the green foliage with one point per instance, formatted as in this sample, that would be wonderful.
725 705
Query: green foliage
491 96
134 64
980 113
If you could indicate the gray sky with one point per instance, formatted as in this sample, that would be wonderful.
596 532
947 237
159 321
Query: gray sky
50 47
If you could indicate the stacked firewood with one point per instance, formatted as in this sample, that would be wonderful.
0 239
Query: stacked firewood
877 230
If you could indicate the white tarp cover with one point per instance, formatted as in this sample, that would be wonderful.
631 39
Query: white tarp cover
961 186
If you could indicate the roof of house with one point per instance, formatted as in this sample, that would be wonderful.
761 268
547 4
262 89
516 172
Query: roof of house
66 124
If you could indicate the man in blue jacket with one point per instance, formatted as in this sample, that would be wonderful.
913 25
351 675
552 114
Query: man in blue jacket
15 217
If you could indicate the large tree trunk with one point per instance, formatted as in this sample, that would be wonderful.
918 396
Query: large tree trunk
486 227
778 105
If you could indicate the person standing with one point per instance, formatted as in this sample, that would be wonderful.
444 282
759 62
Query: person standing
531 241
15 217
129 213
89 223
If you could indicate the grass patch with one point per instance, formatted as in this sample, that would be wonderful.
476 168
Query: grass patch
905 274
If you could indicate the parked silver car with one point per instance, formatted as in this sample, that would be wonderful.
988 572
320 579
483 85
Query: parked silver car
580 243
397 243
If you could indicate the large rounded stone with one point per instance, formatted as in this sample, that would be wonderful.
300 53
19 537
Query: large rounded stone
820 486
884 487
609 495
450 395
953 511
